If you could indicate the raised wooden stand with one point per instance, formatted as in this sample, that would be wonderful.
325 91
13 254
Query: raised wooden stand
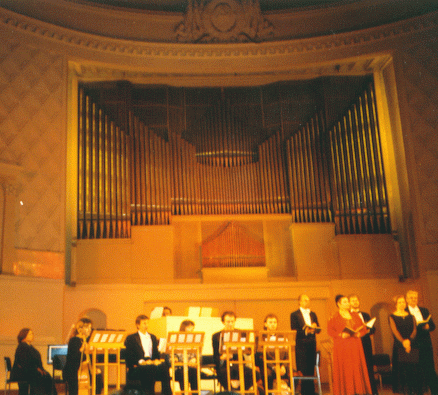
102 342
185 343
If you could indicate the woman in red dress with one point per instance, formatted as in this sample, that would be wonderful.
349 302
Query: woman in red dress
350 374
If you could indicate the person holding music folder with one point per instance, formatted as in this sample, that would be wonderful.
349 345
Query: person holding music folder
366 339
425 325
305 322
405 354
350 373
28 368
228 318
187 326
143 361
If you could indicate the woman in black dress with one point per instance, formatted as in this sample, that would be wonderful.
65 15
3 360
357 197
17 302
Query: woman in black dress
28 367
77 352
404 353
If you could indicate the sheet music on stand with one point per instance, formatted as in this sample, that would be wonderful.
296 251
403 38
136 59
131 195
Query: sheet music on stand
283 338
108 338
180 340
102 342
237 338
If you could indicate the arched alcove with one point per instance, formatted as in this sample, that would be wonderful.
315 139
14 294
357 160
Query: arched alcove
97 316
383 334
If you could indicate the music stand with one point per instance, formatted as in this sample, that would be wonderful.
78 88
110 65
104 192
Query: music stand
185 343
103 341
278 350
242 343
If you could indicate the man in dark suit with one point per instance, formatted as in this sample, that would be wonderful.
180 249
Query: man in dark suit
366 340
305 322
143 359
424 342
229 320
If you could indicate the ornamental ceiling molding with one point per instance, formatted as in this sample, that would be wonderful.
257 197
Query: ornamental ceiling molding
67 37
93 72
214 21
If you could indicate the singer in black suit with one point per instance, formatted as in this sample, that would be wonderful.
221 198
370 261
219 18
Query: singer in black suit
143 364
366 341
424 342
305 348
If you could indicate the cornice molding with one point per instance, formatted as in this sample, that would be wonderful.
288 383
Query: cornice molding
61 36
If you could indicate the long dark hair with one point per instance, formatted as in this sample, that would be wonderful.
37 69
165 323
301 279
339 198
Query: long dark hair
22 334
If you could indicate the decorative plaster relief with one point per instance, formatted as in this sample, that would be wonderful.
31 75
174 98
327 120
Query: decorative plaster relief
223 21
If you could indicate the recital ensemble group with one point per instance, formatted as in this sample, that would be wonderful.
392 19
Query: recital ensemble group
412 362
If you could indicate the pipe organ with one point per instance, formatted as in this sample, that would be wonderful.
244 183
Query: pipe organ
142 176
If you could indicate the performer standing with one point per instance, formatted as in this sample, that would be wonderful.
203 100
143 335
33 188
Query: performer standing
78 353
350 373
423 341
305 322
366 340
143 359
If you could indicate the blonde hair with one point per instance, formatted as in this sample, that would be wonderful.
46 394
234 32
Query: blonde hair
84 321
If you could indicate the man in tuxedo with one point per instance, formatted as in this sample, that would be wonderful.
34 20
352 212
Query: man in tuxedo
143 359
229 320
423 340
366 340
305 322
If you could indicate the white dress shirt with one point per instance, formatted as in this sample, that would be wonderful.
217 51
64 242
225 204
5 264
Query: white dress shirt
415 311
306 316
146 343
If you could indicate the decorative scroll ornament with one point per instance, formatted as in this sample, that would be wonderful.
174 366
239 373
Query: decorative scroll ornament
223 21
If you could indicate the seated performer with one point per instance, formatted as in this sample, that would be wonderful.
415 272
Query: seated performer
28 367
143 359
270 325
187 326
229 320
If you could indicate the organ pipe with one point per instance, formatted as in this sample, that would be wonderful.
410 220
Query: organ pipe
138 177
